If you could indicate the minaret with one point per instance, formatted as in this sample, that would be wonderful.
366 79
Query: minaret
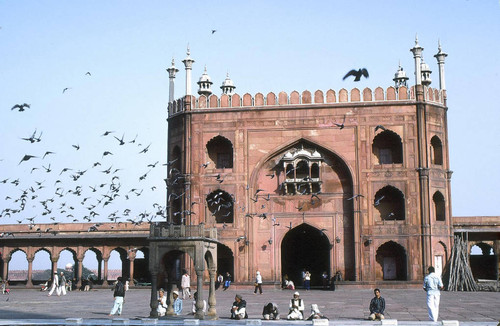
205 84
400 77
227 86
417 54
426 73
188 63
171 76
440 56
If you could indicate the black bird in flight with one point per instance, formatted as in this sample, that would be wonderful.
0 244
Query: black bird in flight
20 107
26 158
120 140
65 89
145 149
76 146
88 73
380 127
340 125
357 73
213 31
107 133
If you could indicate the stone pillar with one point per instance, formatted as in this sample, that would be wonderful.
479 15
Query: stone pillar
99 269
154 299
29 283
54 266
212 312
199 288
5 273
79 271
105 270
131 258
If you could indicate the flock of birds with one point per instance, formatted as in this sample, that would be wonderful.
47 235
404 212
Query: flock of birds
49 185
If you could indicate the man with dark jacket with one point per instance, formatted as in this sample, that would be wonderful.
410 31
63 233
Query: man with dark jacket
119 294
377 306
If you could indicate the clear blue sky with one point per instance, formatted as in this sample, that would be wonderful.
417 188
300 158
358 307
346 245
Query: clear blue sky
46 46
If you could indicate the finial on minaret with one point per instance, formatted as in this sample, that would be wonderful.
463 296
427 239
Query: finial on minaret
440 56
188 63
228 85
205 84
171 76
417 54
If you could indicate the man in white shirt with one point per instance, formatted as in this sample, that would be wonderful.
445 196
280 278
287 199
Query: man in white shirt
185 285
432 285
55 285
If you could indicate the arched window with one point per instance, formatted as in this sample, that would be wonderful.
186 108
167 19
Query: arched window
176 159
388 148
302 170
439 206
436 151
221 205
220 151
390 204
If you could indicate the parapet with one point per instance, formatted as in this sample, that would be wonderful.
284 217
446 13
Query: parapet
306 98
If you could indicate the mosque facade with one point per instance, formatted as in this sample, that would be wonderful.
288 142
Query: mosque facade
356 182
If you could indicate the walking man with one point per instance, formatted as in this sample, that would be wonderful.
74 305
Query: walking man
119 295
55 285
432 285
62 285
186 285
258 283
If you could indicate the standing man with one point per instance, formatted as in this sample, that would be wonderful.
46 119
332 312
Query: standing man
432 285
186 285
377 306
55 285
119 295
62 285
258 283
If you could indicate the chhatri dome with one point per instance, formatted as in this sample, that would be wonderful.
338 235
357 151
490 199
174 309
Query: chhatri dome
228 86
205 84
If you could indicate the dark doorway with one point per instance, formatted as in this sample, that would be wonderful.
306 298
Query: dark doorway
225 260
392 258
305 247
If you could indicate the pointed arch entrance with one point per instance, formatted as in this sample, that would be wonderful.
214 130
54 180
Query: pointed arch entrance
305 247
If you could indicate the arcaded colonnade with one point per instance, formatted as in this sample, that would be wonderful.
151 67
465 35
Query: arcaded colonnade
77 238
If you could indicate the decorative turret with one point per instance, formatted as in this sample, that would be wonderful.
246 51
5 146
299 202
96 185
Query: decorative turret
400 77
426 73
417 54
228 86
440 56
188 63
171 76
205 84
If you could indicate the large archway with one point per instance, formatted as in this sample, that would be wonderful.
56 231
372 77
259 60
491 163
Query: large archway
225 260
305 247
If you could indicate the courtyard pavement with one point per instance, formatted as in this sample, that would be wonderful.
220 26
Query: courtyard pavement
342 307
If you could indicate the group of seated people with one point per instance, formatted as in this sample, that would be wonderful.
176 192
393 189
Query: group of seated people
176 304
271 311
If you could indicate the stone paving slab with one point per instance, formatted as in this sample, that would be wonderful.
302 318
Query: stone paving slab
343 307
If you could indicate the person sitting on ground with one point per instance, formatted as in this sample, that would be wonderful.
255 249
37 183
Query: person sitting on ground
296 306
177 305
315 313
44 286
271 312
162 303
193 307
238 310
377 306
